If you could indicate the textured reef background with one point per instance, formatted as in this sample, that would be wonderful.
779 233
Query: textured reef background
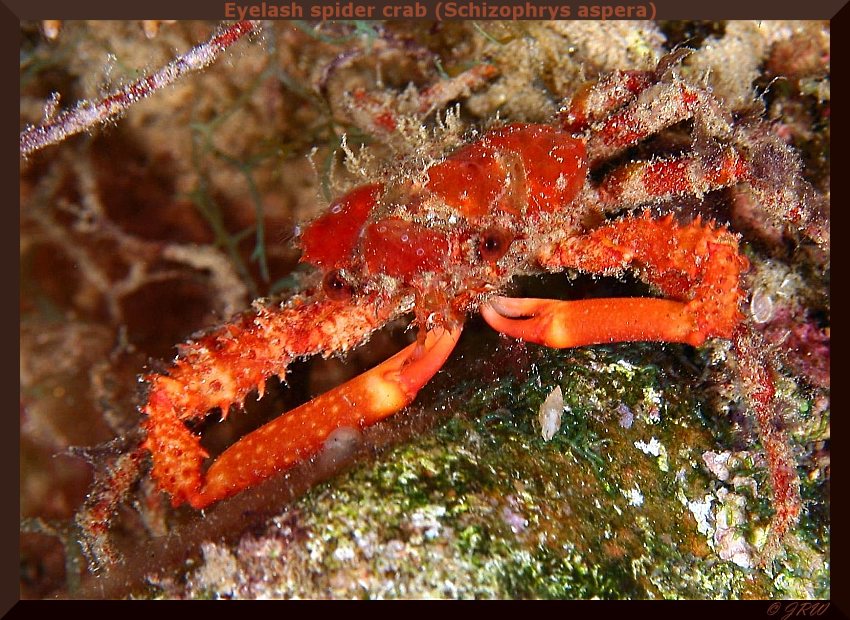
181 212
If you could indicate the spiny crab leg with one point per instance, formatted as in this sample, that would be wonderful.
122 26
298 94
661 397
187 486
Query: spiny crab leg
563 324
301 433
696 266
220 368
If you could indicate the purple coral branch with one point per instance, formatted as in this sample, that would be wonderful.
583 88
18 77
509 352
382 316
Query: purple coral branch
87 114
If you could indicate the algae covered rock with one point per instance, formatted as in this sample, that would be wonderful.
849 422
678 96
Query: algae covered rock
634 496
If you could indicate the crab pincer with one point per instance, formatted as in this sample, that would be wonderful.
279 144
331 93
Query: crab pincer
358 403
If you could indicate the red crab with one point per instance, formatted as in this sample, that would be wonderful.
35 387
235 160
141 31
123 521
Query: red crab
443 243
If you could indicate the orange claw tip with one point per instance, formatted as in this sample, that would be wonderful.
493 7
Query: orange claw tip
514 307
526 319
426 360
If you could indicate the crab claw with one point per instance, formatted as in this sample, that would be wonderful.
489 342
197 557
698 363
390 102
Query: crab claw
563 324
696 266
301 433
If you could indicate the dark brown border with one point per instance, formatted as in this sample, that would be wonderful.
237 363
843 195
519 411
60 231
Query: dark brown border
840 27
13 11
10 44
214 9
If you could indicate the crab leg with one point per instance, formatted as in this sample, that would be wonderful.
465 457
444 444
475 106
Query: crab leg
598 100
373 111
654 109
756 372
220 369
624 108
696 266
301 433
647 181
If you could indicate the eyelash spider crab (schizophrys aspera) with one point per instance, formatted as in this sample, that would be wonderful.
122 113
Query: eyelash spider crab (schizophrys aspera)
445 241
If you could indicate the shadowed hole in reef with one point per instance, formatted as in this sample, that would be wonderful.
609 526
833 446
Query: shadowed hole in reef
691 34
579 286
156 316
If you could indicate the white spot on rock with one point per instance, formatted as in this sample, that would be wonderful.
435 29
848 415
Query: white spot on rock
761 306
717 463
702 514
550 413
655 448
728 537
634 496
428 520
344 553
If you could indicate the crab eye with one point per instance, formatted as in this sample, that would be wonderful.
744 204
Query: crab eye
336 287
494 243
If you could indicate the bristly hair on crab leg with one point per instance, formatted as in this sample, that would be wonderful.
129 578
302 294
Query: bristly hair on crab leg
757 383
626 107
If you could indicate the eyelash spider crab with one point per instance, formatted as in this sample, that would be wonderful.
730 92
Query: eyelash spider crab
445 241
